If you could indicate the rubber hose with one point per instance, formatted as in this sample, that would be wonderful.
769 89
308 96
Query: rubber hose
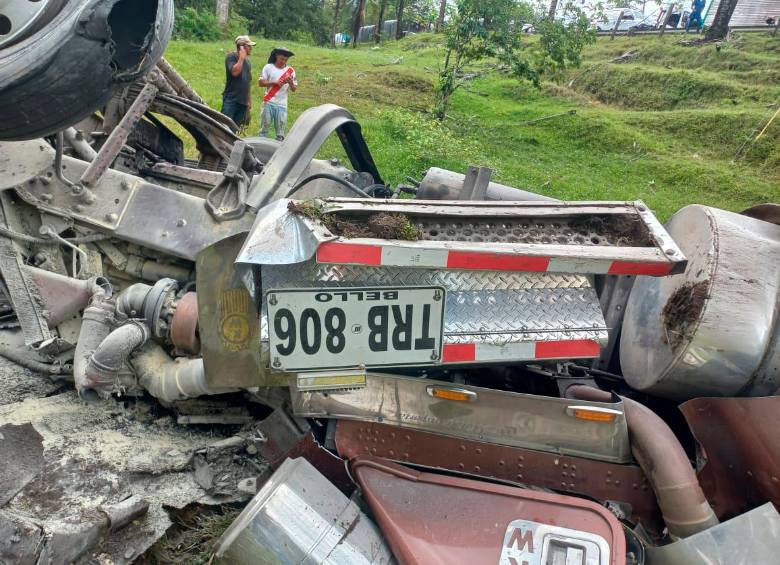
18 357
112 354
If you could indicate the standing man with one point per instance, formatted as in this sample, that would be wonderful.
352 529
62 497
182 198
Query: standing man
279 79
237 96
697 7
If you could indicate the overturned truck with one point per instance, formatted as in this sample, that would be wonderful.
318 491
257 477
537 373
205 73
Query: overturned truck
491 375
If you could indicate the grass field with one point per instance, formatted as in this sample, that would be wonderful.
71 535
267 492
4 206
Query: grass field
663 127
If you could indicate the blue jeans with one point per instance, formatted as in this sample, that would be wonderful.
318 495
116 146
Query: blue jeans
235 111
695 16
276 115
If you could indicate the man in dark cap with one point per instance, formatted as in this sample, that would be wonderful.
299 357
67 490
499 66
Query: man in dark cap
278 78
237 96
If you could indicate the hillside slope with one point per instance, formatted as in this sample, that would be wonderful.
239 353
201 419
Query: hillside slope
663 127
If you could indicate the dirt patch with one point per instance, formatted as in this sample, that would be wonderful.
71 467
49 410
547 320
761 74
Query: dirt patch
381 225
682 310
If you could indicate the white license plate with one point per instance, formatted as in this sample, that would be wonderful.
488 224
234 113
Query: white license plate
316 329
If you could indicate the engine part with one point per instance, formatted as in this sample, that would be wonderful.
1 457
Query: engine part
431 519
95 327
329 528
623 484
714 330
88 49
63 297
170 379
441 184
684 507
154 304
79 144
184 325
739 450
751 538
592 430
111 356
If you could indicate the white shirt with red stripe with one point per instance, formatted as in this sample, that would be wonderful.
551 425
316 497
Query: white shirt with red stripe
273 73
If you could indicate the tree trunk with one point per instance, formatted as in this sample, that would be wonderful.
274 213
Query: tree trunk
440 19
335 28
553 7
360 12
223 11
399 20
720 23
380 19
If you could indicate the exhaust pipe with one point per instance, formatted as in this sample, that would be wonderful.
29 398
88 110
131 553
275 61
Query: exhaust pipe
170 380
682 502
95 327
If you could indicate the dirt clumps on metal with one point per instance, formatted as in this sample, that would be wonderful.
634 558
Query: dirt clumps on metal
382 225
683 310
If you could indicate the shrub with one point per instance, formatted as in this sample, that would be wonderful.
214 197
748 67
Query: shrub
201 25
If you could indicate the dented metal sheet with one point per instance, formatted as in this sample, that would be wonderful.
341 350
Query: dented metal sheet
503 418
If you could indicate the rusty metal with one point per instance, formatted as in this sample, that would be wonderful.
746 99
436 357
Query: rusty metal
118 137
177 82
434 519
599 480
280 437
685 509
740 448
184 325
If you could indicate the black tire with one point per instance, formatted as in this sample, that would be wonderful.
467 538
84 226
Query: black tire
67 69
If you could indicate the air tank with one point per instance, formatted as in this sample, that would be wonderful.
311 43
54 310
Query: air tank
713 330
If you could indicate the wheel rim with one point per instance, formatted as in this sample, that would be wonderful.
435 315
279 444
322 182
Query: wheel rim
17 17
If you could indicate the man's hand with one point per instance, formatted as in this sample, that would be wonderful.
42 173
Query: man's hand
242 52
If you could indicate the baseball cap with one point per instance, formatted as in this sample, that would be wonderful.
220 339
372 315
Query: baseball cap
245 40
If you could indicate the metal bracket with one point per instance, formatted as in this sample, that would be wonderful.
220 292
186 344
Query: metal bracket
226 201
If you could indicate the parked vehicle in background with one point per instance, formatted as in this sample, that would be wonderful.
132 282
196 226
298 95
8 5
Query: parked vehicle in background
631 20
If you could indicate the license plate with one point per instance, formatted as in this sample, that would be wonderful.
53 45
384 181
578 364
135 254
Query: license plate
316 329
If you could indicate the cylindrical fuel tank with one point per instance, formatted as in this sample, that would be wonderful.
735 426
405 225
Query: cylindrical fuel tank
713 330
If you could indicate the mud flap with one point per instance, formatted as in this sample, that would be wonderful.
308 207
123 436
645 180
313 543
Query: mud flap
229 322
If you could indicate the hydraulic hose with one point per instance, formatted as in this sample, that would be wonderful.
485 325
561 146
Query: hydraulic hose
18 357
95 327
682 502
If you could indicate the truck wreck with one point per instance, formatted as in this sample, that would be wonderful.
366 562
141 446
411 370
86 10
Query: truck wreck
379 362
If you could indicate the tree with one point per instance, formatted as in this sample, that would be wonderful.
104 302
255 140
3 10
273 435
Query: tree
553 7
223 11
360 13
490 28
379 20
335 27
399 18
442 13
720 23
284 19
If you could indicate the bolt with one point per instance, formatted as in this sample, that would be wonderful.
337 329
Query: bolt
78 208
272 300
641 207
164 234
88 197
46 197
434 356
124 185
44 179
669 251
181 222
437 295
277 363
112 217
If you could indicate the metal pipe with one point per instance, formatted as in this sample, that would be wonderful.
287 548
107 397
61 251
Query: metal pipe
170 380
79 144
118 137
95 327
441 184
111 356
682 502
179 84
20 357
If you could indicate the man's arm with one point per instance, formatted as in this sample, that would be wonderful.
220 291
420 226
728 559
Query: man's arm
236 69
293 83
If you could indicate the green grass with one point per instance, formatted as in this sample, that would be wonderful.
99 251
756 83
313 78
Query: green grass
663 127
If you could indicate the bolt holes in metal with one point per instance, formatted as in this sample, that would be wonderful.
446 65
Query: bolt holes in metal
5 25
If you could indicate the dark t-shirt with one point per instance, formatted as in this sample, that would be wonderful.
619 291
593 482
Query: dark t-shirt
237 88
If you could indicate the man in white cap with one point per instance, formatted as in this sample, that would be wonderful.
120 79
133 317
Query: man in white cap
237 96
279 79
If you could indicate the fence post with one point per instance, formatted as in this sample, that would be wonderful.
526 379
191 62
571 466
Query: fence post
666 17
617 23
777 25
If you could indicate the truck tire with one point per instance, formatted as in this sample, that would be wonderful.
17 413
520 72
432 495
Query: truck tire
70 64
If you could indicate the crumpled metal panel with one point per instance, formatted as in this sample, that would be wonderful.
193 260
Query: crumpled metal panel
752 538
740 450
481 306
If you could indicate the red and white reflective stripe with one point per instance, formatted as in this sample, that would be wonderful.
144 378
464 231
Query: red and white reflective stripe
398 256
522 351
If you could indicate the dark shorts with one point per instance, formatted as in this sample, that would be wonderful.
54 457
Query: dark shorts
235 111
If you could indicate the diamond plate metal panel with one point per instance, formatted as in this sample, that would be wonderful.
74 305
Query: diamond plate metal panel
482 306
